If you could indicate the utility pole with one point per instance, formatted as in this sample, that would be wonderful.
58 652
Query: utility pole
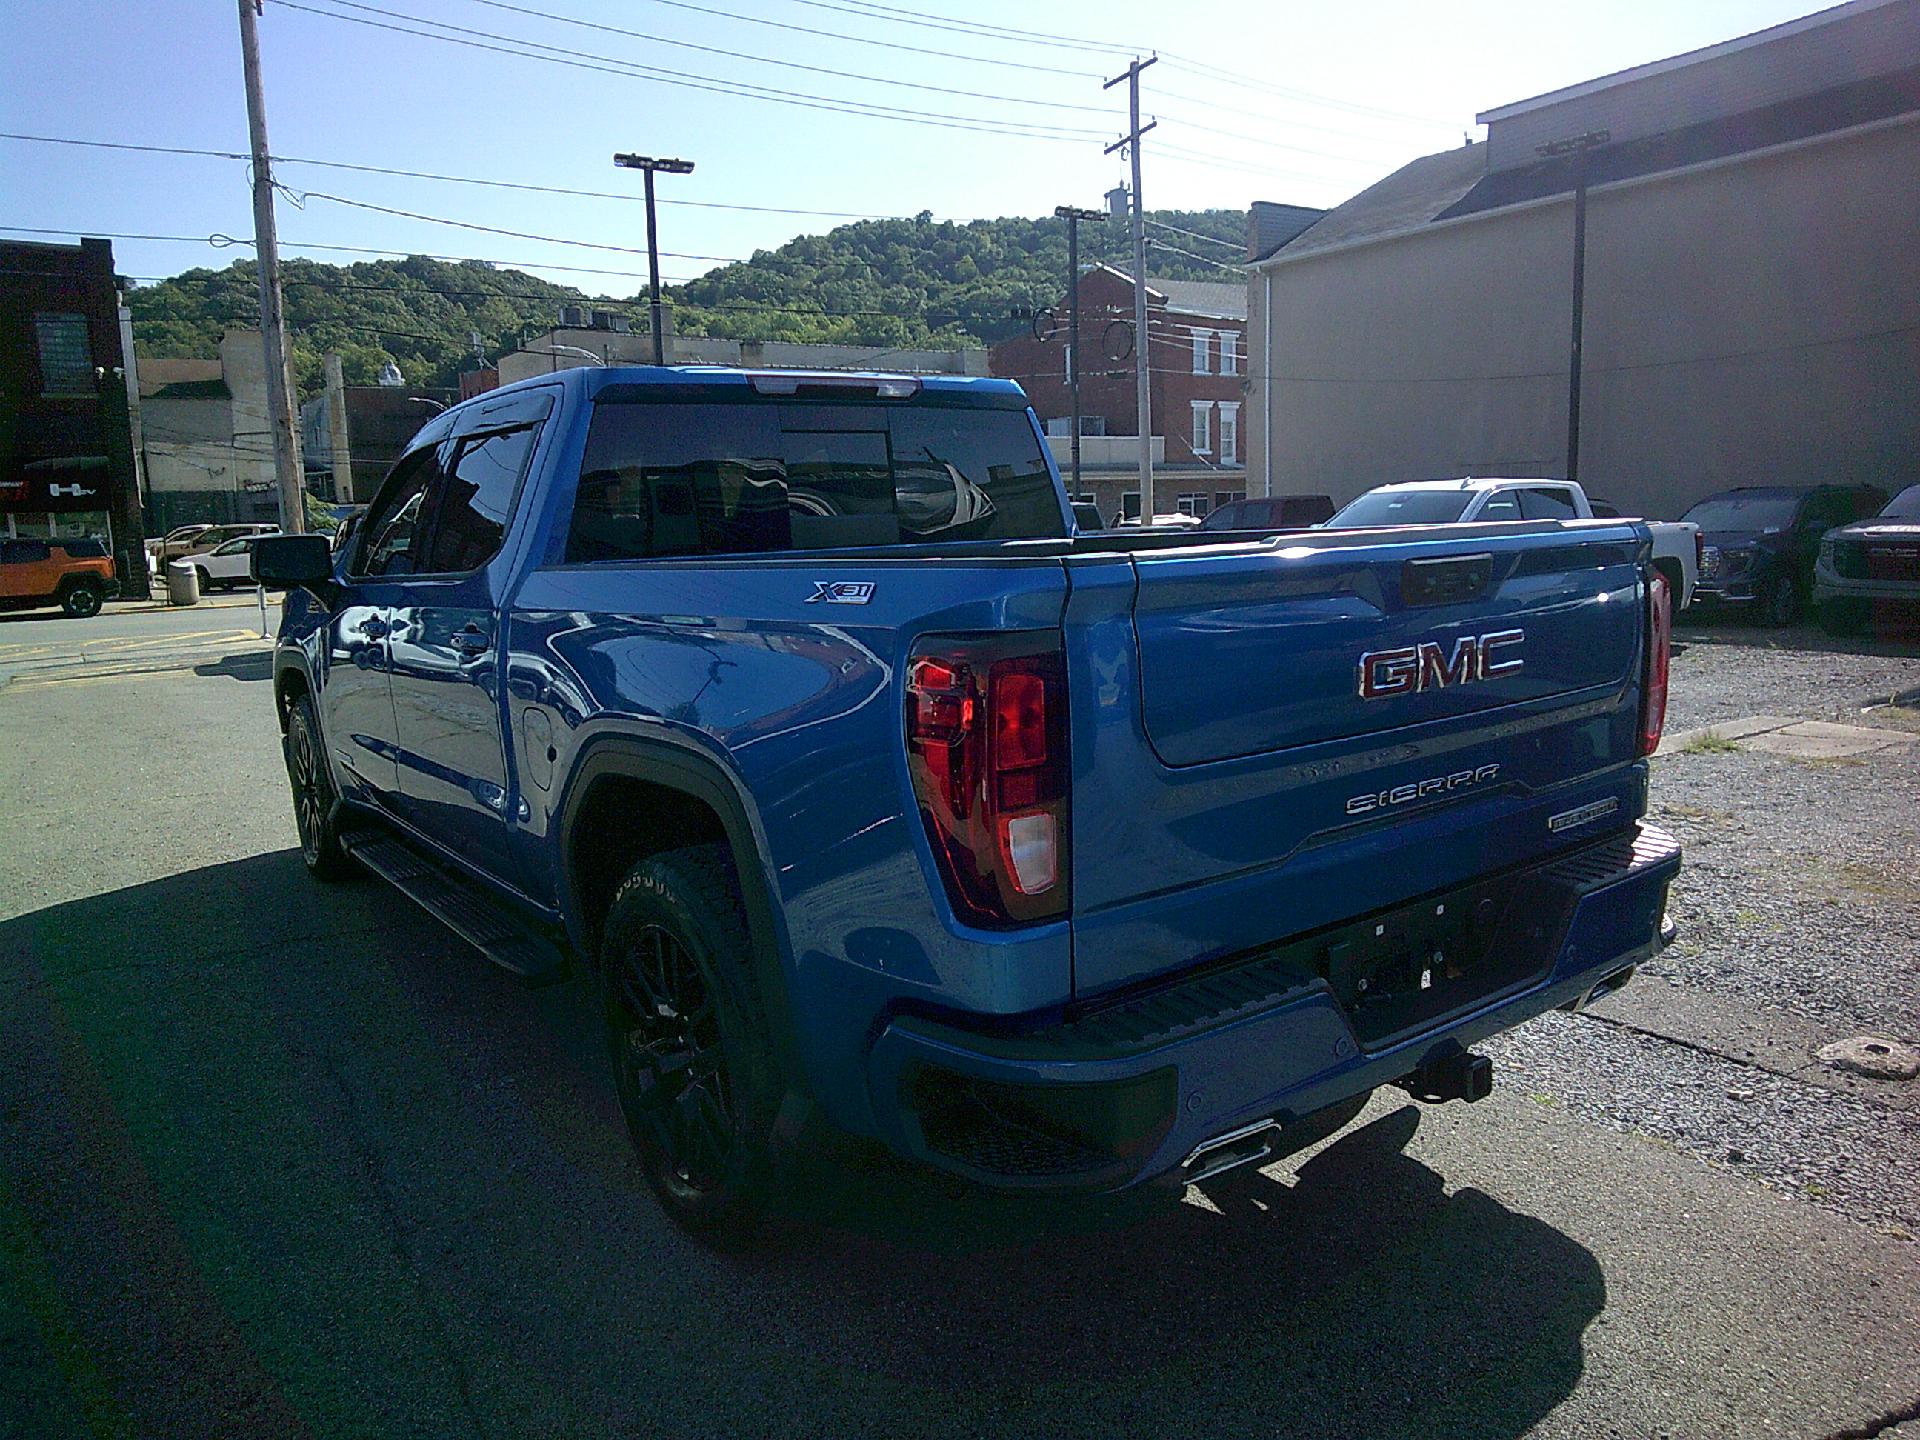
1142 380
1073 217
1580 147
646 164
266 240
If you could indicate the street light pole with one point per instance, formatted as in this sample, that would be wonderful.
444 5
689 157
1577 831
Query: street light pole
647 164
1580 147
1073 217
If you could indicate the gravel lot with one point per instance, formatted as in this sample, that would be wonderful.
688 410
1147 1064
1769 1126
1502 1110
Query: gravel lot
1799 910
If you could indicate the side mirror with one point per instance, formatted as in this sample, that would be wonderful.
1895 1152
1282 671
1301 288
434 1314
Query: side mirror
292 562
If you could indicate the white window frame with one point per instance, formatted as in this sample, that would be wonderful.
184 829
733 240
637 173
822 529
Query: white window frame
1229 432
1193 502
1229 352
1202 348
1130 504
1202 426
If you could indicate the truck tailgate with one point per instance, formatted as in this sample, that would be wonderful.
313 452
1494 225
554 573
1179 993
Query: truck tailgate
1336 722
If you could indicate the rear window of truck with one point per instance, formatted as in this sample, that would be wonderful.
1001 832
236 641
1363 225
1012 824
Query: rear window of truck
754 476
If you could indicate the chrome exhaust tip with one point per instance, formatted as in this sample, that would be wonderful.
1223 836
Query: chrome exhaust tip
1247 1145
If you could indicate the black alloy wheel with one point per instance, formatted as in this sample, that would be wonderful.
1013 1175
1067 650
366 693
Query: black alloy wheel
672 1063
313 796
693 1064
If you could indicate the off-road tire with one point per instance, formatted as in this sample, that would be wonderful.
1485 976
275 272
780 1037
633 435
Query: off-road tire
687 1035
81 601
313 795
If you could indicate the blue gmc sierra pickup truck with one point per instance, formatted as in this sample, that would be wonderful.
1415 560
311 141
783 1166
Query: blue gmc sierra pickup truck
794 711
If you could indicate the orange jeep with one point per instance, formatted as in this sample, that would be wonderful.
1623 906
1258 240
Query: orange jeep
76 575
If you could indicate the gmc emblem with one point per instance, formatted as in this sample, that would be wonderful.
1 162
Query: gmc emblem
1409 669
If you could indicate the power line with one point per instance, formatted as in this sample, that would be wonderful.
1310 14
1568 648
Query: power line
1194 234
868 40
621 195
627 69
869 11
1000 98
302 197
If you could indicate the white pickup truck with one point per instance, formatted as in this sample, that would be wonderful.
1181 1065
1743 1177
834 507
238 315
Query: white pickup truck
1676 543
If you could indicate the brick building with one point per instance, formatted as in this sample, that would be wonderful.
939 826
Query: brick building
67 463
1196 352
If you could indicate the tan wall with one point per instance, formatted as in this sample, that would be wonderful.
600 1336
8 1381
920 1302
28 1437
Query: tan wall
1757 322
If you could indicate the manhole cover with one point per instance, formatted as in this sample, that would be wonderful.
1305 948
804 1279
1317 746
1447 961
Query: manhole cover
1873 1056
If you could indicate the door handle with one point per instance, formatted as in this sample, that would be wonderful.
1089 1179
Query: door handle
469 640
374 628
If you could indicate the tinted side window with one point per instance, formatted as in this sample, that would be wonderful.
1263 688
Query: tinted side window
666 479
474 500
24 552
1547 504
395 517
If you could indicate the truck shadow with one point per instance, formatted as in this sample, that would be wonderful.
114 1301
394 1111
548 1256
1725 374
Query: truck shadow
311 1156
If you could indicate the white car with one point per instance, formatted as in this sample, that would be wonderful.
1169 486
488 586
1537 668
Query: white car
1676 543
225 566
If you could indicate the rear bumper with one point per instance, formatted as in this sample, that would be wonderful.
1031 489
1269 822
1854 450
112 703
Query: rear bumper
1127 1091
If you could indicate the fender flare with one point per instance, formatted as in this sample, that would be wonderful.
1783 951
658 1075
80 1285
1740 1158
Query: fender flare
680 765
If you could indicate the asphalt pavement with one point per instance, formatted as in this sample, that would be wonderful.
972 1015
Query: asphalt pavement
283 1159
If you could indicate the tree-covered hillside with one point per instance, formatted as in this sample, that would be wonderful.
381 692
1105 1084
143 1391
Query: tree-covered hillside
878 282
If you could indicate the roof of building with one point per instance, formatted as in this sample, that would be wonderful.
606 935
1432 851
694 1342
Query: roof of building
1839 108
1459 183
1671 63
1412 196
1224 300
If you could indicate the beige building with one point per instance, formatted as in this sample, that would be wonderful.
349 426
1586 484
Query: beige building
1752 296
206 448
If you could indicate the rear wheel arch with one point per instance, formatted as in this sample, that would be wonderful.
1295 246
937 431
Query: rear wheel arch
628 798
1675 576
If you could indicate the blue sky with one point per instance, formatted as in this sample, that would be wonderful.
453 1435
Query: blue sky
1345 92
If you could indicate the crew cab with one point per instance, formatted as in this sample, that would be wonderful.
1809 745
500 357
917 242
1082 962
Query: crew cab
1676 544
792 710
77 575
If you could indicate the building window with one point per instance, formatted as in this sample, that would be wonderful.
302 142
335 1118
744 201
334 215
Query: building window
1202 427
1227 497
66 360
1202 343
1229 432
1194 503
1129 504
1229 353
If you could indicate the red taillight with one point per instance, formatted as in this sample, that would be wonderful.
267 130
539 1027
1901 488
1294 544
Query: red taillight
1653 687
986 727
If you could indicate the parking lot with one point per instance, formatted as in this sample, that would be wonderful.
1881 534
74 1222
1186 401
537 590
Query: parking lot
278 1159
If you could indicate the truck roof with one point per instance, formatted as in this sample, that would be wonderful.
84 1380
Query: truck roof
1474 482
595 378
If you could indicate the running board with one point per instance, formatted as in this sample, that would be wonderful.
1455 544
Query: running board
462 906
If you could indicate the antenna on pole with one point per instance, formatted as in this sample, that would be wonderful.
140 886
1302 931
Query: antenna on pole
1142 380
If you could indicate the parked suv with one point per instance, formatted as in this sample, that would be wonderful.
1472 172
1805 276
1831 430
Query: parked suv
76 575
1869 563
793 710
1759 543
185 540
